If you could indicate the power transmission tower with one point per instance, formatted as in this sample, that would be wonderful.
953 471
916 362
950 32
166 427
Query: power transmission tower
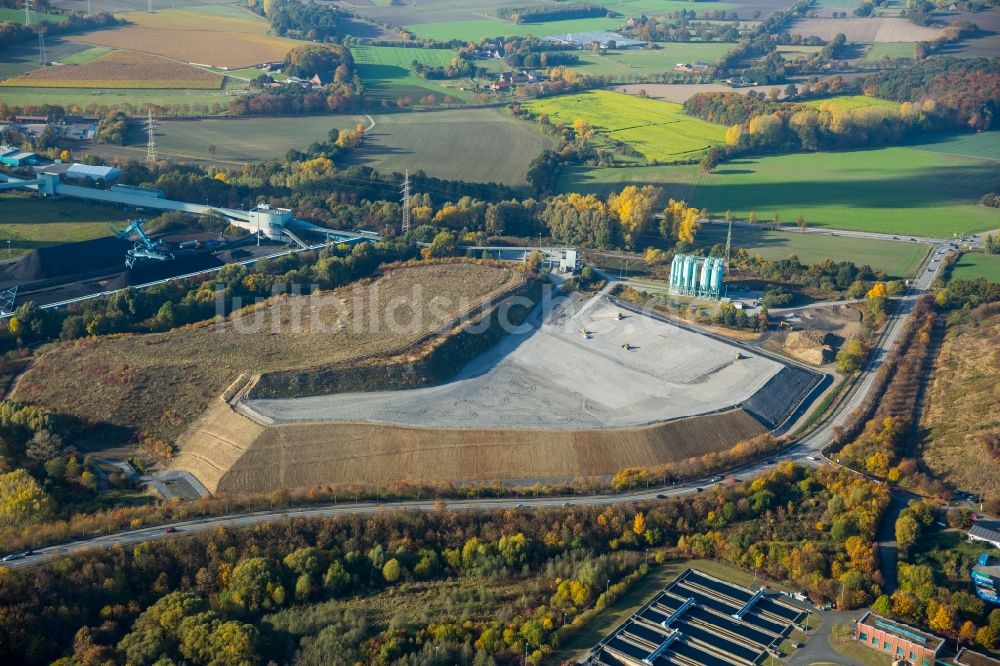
43 56
27 13
149 6
150 136
7 299
90 7
406 202
729 244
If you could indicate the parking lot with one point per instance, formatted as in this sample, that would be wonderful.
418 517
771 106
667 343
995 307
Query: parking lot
700 620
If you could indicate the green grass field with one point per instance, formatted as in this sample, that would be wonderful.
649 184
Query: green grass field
457 22
896 258
246 139
89 55
973 265
634 64
659 130
476 145
17 16
137 97
890 190
387 71
852 102
891 50
474 30
31 222
984 145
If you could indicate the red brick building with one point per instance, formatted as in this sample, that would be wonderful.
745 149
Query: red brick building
898 641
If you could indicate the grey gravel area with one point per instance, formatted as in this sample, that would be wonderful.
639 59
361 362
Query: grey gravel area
582 368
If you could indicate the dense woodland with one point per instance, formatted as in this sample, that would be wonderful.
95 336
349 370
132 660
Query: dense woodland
282 591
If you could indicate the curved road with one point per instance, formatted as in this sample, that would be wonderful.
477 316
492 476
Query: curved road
807 451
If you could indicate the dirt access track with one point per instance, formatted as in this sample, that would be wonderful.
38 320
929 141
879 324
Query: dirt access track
577 392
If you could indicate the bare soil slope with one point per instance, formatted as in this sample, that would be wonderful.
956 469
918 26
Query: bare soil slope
961 415
231 453
157 384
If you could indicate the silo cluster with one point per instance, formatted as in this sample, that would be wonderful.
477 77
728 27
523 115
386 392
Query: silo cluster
696 276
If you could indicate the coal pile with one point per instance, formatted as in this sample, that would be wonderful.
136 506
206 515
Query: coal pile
67 260
161 270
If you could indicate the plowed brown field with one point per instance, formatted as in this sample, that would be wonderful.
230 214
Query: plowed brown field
121 69
192 36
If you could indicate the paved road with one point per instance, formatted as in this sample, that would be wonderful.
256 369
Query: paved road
817 649
807 451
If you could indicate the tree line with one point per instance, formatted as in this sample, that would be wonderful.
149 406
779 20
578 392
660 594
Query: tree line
267 593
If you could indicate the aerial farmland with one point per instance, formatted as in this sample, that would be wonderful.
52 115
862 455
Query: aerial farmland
499 333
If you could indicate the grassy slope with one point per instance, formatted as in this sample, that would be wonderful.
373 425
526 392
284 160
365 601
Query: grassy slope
897 259
984 145
960 407
977 265
157 383
31 222
891 190
387 71
659 130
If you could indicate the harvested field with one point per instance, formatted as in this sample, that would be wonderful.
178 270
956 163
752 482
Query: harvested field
159 383
231 453
864 30
218 36
121 69
959 418
552 376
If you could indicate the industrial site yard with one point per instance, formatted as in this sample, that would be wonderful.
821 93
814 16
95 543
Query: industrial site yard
620 373
577 392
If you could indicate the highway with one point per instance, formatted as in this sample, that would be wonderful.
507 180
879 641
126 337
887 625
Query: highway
806 451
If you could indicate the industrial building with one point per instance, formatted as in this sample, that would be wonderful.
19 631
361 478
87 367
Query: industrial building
987 531
15 158
986 578
898 641
967 657
696 276
700 620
